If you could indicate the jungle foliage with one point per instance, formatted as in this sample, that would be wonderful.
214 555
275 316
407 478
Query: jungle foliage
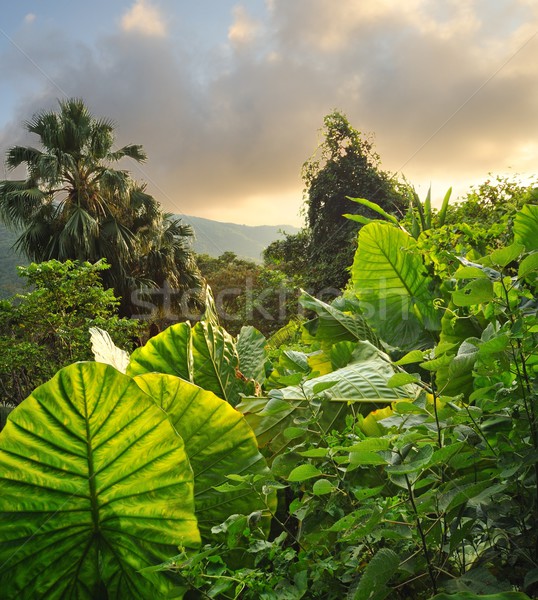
47 327
248 293
385 448
345 164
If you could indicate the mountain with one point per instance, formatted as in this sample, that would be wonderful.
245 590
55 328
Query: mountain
247 241
211 237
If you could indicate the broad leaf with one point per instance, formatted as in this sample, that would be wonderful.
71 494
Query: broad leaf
334 325
358 388
526 227
477 291
169 352
215 362
218 441
96 485
252 354
204 354
389 279
528 265
303 472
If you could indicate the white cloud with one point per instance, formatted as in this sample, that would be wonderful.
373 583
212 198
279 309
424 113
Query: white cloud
144 18
244 28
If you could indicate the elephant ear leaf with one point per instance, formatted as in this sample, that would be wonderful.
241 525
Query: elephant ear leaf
216 362
388 277
168 352
219 442
96 485
204 354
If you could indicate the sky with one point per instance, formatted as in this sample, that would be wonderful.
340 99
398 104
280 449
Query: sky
228 97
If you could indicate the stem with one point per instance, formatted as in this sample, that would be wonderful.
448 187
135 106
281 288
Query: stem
524 385
437 423
431 572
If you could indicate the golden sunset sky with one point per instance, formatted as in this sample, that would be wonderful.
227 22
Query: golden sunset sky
228 98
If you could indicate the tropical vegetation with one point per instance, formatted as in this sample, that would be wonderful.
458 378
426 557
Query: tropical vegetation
344 165
74 205
47 327
387 449
383 445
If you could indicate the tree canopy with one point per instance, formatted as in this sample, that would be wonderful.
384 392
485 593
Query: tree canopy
345 164
74 204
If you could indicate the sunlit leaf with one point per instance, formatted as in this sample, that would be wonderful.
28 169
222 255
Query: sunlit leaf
218 442
96 485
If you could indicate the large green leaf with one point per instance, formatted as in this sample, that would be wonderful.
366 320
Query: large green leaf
96 485
526 227
333 325
252 353
216 363
169 352
218 441
389 279
204 354
357 388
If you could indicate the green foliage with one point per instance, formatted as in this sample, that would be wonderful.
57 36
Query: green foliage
400 424
218 442
389 279
205 354
345 165
141 481
290 255
247 293
435 492
47 328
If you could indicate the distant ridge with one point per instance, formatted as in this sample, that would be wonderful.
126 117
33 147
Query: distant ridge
211 237
247 241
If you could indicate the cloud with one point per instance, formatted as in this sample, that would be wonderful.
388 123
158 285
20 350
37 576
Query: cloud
243 30
449 88
144 18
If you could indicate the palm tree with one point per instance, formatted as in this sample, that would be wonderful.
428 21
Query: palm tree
74 205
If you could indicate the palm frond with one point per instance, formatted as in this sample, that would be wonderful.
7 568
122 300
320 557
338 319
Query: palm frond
118 240
35 239
101 139
114 182
134 151
22 154
18 202
78 237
